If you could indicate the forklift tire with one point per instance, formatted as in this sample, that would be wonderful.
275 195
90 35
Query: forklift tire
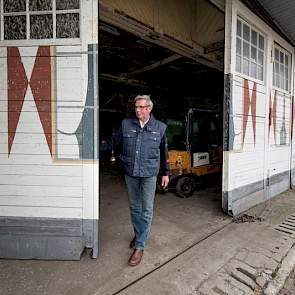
184 187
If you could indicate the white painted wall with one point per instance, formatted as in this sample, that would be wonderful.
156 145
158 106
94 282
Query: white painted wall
251 160
32 182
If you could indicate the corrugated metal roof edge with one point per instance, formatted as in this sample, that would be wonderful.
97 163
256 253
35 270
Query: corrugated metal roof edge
260 11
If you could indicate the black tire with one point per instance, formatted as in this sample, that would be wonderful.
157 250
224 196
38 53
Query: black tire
184 187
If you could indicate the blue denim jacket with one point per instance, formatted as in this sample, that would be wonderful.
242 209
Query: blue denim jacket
145 149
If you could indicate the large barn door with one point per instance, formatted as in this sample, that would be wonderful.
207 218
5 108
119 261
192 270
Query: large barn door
245 117
280 122
48 129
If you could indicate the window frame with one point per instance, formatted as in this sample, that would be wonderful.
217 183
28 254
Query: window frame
44 41
282 50
251 46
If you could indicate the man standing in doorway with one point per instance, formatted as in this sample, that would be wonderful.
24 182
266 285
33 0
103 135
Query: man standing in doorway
144 151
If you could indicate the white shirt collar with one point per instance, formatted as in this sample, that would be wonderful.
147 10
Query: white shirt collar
142 124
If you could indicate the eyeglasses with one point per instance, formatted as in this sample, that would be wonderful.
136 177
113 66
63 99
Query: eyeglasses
141 107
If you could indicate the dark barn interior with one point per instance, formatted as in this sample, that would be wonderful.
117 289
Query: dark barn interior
128 66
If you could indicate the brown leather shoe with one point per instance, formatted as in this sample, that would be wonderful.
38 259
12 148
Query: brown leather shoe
132 243
135 258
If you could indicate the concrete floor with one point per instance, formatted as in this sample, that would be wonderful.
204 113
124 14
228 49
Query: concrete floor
289 286
178 224
240 259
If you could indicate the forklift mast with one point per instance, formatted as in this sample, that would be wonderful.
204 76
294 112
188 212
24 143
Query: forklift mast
199 125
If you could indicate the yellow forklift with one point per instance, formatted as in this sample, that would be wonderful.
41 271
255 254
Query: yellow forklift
195 150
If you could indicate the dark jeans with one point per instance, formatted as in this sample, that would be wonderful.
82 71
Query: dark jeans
141 194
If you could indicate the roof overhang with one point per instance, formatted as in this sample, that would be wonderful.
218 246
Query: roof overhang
277 14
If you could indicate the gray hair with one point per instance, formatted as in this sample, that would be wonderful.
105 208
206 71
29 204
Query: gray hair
147 99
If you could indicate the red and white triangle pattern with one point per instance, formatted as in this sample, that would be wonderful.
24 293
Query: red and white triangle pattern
41 88
247 105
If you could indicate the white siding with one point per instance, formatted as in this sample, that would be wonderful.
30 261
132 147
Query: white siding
34 182
258 155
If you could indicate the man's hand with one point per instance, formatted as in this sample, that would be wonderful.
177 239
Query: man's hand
165 181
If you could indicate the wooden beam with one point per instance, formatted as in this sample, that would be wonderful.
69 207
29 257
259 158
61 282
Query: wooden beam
112 111
154 65
123 21
121 79
216 46
109 100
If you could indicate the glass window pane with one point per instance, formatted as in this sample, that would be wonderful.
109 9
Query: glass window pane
282 70
287 84
41 26
238 63
67 25
239 28
253 54
14 6
246 49
281 82
286 73
239 46
254 37
286 60
245 66
65 5
260 73
260 57
277 55
282 58
277 68
277 80
15 27
37 5
246 32
261 42
253 70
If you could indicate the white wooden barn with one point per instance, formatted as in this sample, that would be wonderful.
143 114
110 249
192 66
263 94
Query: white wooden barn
48 127
49 101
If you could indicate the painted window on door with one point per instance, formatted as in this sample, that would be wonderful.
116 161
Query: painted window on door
281 68
35 19
250 50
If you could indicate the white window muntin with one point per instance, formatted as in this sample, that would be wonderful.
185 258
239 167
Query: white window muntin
281 77
250 51
26 16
